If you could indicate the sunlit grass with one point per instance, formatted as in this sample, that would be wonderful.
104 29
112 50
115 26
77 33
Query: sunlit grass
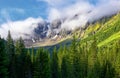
110 39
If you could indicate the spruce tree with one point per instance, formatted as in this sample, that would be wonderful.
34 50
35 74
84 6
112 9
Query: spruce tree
109 70
54 65
11 53
33 60
20 58
76 65
3 60
65 72
28 65
32 55
42 64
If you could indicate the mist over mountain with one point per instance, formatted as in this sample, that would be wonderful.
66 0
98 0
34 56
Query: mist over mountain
59 18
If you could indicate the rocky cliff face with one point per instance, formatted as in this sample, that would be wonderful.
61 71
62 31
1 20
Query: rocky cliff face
43 31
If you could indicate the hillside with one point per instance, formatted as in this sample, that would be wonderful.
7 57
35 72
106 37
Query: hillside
104 33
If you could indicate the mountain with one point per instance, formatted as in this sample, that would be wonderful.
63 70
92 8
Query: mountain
48 34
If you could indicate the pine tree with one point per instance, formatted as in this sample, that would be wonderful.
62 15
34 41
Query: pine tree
75 58
33 60
95 71
74 44
20 58
11 53
109 70
28 65
10 46
3 60
42 64
65 72
32 55
76 65
54 65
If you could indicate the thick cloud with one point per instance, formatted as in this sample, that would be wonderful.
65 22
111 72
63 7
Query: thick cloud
85 12
54 14
22 28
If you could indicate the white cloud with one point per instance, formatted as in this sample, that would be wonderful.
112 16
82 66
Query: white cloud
54 14
68 11
77 8
105 9
71 24
20 28
85 12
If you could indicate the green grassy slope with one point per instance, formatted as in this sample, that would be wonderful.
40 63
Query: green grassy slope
115 36
104 33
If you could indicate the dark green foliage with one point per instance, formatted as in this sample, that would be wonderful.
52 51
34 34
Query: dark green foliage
42 64
76 65
11 53
10 46
21 59
65 68
54 65
109 71
3 60
78 61
28 65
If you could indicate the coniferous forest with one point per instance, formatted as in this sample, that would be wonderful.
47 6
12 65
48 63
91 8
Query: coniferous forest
95 56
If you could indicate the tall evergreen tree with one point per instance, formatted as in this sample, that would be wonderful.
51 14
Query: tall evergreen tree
74 44
65 67
11 53
28 65
76 65
33 60
20 58
10 46
109 70
54 65
42 64
32 55
3 60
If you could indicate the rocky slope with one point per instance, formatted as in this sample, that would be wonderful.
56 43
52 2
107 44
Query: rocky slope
51 33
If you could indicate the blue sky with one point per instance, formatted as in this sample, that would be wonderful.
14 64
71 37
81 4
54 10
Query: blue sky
22 9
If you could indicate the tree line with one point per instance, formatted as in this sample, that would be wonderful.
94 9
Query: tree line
84 60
